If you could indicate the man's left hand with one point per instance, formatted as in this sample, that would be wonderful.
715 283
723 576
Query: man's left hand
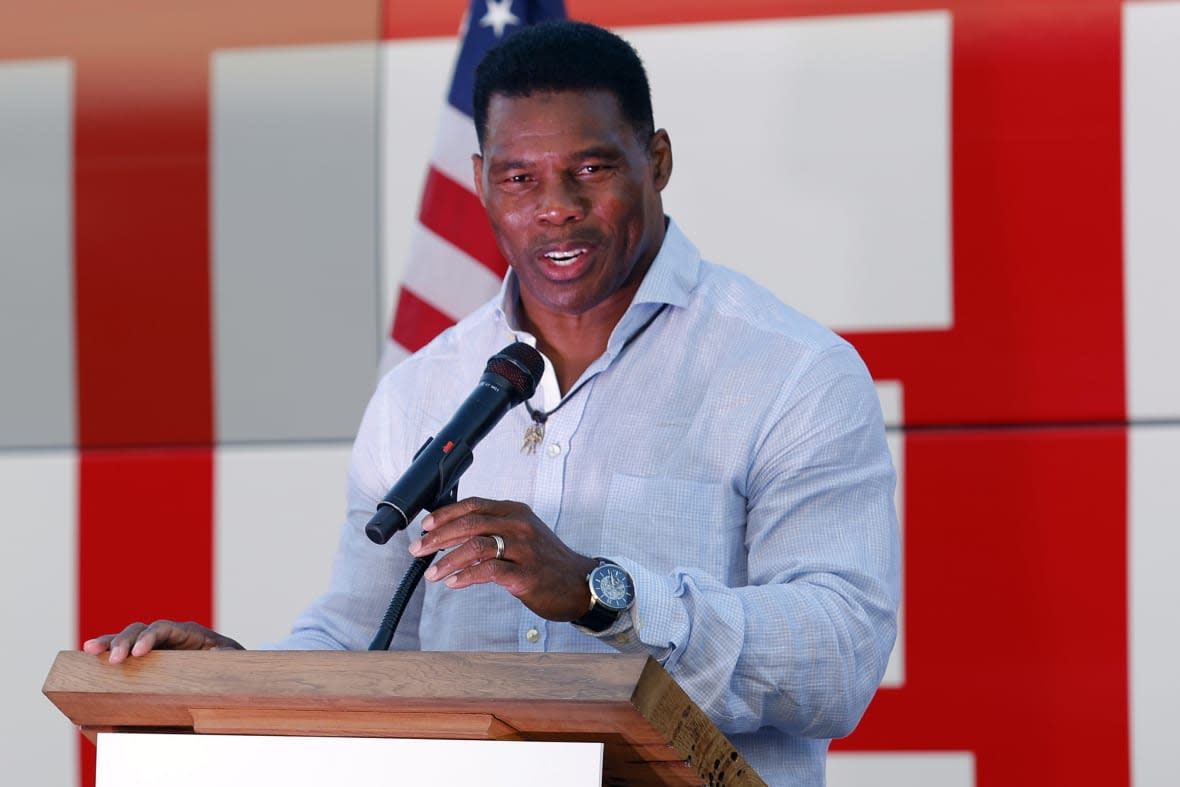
535 565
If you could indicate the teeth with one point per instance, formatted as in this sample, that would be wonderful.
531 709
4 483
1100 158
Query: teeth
564 257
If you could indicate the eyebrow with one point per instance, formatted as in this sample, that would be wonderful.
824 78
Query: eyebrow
599 152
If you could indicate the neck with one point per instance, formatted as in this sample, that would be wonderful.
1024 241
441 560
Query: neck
572 342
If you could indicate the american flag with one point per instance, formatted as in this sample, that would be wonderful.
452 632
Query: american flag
454 264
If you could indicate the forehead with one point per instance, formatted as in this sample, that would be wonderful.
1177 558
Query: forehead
555 119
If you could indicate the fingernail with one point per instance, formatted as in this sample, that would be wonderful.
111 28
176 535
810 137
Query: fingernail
432 573
428 521
415 546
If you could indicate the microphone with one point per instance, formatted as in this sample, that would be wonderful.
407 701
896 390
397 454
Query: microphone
509 378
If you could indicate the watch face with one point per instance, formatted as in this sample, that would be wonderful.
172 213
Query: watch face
612 587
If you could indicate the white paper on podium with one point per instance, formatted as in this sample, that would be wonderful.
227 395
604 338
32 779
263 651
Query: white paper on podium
149 760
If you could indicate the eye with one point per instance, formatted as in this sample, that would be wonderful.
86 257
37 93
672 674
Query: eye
516 182
593 170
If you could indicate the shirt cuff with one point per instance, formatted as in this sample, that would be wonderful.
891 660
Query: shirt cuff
656 625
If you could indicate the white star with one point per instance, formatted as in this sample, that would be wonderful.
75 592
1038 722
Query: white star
499 16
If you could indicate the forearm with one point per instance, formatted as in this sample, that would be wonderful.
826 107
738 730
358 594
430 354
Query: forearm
805 656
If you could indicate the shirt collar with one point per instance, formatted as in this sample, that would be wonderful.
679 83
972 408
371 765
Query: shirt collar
670 280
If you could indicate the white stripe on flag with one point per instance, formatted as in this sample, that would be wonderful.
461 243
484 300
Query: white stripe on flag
453 282
456 142
392 354
415 74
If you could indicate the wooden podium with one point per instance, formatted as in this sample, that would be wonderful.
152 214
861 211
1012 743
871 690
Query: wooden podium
652 733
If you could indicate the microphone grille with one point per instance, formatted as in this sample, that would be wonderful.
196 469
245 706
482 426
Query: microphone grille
520 365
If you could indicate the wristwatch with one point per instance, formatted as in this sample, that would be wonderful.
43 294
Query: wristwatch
612 592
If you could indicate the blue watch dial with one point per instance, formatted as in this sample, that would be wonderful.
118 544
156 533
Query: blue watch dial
612 587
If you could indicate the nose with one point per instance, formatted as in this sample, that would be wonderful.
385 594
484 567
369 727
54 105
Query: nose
561 201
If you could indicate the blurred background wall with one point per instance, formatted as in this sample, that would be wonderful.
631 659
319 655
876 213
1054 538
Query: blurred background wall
206 210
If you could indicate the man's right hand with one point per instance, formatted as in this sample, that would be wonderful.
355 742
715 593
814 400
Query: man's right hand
139 639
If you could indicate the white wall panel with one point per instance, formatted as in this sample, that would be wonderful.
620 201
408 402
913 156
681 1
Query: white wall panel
293 161
36 254
817 161
1151 162
277 520
38 607
909 769
1154 553
890 394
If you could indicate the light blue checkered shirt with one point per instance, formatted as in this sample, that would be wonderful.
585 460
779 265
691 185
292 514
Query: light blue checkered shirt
732 459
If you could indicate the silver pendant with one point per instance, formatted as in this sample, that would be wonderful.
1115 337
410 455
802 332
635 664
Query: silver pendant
532 438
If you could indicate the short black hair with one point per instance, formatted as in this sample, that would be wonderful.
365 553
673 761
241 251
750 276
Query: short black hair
564 55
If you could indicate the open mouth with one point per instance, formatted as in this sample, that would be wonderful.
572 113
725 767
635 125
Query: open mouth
564 258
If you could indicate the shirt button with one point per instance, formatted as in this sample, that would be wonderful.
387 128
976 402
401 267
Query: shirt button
532 635
554 450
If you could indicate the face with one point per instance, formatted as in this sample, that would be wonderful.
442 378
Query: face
573 197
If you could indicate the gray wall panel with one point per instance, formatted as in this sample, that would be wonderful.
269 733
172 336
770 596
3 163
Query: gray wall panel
36 254
294 174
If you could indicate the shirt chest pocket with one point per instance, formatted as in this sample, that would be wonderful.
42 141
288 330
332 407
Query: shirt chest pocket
668 523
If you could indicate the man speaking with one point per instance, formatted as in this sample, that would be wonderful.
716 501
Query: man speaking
701 474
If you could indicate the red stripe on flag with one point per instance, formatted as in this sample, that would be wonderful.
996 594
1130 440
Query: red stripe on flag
456 215
416 321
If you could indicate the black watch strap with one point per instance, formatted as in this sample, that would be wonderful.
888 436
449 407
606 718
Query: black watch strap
599 618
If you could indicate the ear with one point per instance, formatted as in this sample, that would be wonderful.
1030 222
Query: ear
477 173
659 151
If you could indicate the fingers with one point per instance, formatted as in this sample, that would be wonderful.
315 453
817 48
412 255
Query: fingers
139 639
453 524
98 644
473 530
475 552
458 523
499 572
535 566
119 645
